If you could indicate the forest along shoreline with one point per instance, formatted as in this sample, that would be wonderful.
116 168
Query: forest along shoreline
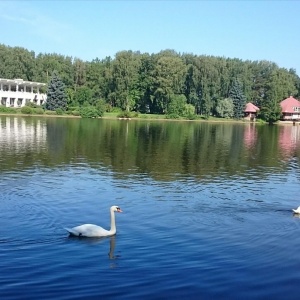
183 85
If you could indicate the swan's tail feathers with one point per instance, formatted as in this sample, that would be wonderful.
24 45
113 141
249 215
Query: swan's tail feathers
72 231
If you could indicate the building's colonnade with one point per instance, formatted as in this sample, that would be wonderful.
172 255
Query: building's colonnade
18 92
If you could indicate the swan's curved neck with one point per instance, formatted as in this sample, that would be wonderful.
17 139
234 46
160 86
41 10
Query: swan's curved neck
113 228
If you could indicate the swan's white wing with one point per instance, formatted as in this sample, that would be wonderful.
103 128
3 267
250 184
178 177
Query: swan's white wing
88 230
72 231
297 211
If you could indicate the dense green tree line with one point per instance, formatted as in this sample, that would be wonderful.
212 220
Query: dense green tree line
159 83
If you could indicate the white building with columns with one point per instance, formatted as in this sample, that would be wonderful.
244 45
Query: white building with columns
18 92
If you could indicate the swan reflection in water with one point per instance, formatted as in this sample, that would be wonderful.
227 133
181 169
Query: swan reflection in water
94 241
112 244
295 215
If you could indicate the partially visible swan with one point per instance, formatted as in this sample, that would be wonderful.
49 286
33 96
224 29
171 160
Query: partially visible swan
91 230
297 211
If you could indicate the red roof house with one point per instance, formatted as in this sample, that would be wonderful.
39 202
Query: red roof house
250 111
290 108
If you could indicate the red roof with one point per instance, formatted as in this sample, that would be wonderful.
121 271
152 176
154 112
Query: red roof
288 104
251 108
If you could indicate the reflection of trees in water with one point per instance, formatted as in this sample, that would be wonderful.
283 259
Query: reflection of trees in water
56 132
163 149
169 148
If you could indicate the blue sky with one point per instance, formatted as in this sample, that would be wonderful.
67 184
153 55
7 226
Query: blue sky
248 30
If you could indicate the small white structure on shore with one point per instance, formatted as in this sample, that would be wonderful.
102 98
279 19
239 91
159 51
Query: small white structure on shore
18 92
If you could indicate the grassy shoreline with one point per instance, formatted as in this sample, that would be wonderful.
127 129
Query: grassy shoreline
149 117
114 116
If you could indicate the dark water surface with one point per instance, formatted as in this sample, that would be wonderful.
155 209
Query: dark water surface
207 209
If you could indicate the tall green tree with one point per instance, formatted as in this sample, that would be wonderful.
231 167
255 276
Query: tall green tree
238 98
296 80
56 95
169 76
46 64
79 73
16 62
225 108
70 93
83 96
205 100
145 82
271 111
95 77
177 105
280 85
125 74
192 85
261 71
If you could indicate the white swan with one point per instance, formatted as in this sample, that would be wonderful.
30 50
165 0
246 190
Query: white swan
91 230
297 211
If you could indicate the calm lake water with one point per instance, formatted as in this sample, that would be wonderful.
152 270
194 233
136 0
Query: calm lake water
207 209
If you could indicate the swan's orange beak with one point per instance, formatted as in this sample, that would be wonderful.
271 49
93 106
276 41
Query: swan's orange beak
119 210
